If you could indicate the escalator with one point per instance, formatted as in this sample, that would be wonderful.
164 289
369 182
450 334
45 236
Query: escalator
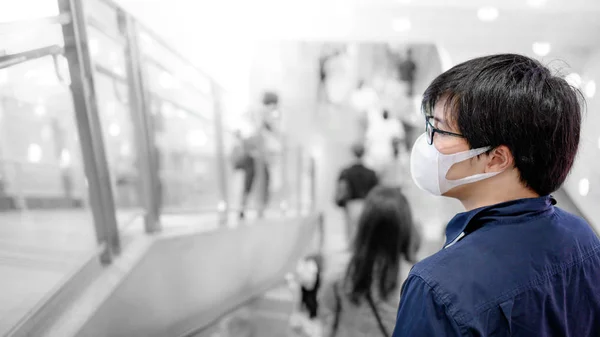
268 315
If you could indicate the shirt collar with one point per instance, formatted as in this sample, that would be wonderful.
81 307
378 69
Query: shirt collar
520 209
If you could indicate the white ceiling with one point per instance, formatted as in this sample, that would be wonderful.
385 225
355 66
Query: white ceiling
199 27
569 23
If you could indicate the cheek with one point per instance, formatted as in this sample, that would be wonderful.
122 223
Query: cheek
449 145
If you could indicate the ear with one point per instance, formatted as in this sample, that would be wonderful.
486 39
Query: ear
500 159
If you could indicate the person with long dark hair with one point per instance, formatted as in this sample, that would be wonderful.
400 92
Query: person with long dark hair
364 300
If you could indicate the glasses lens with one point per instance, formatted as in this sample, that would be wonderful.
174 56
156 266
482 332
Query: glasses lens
429 130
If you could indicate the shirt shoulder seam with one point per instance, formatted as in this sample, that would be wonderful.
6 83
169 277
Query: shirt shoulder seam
441 299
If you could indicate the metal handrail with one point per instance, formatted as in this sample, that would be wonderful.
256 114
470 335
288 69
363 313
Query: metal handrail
110 73
161 66
178 105
23 163
61 19
14 59
163 43
92 22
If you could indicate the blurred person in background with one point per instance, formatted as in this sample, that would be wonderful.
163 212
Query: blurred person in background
395 172
363 301
407 70
324 68
253 153
354 183
365 101
502 133
380 136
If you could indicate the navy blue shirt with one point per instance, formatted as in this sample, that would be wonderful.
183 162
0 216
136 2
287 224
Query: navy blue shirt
520 268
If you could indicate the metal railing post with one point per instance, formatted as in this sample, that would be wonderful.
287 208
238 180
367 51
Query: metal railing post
300 180
88 124
143 130
220 151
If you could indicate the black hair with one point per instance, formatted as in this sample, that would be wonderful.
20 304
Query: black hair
269 98
383 236
358 150
513 100
385 114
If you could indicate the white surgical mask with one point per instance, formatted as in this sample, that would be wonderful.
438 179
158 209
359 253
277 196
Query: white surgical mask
429 167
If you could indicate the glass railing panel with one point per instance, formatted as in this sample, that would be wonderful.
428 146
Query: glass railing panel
46 224
107 51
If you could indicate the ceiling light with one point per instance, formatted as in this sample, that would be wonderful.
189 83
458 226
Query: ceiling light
125 150
536 3
401 25
34 153
590 89
168 110
65 158
182 114
487 14
114 129
574 79
40 110
93 45
3 76
166 80
197 138
584 187
541 48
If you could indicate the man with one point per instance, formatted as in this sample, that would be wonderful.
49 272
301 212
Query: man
354 183
502 134
380 136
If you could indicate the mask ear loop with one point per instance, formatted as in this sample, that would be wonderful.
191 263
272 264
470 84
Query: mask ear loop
447 184
462 156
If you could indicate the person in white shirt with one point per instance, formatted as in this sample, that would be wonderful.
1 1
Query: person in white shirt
382 131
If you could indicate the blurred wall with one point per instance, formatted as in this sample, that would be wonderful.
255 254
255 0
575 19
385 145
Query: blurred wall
583 184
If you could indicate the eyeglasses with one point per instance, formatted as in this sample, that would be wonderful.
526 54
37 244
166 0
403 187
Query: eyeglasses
431 131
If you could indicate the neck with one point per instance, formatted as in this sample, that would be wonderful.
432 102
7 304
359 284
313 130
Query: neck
504 190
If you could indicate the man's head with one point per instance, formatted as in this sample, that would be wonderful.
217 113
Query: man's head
270 100
358 150
529 118
270 112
